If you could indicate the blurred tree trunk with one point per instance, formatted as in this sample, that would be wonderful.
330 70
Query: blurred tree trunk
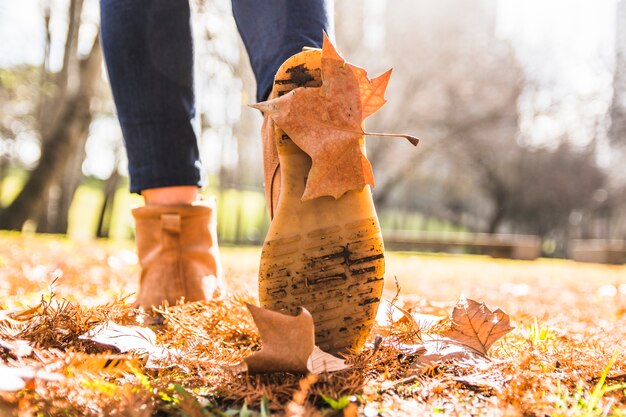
4 167
53 214
61 140
106 214
57 211
56 86
497 216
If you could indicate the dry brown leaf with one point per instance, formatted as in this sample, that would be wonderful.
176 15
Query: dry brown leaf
288 345
286 341
480 381
474 330
326 123
477 327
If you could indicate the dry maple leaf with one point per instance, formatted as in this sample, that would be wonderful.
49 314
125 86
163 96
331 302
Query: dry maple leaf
326 123
474 330
288 345
477 327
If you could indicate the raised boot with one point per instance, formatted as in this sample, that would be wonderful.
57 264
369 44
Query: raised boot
178 253
324 254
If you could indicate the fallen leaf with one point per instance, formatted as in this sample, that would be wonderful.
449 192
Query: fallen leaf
480 381
287 345
10 381
474 330
412 349
425 322
15 379
124 338
390 313
351 410
17 348
286 341
135 339
320 362
326 123
477 327
107 364
443 350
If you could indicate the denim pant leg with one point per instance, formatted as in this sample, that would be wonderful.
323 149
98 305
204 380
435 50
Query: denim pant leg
274 30
149 57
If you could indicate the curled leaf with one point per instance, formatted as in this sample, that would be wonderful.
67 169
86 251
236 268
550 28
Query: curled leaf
286 341
287 345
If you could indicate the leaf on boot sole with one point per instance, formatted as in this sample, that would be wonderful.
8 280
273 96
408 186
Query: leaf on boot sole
326 123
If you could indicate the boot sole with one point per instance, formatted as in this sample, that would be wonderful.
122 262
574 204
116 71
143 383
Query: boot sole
325 255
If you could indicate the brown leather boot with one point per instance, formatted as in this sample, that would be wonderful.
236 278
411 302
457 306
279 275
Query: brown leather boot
178 253
324 254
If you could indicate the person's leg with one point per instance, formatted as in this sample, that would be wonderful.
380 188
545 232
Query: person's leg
178 194
148 52
274 30
149 56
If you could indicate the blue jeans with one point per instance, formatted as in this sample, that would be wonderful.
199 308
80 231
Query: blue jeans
149 57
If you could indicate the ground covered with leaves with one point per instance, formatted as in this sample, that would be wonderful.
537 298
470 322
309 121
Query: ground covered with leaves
564 357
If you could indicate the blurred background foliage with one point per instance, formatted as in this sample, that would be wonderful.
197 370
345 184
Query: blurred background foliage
508 145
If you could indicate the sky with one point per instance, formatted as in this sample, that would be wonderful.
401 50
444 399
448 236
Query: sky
569 34
567 41
567 49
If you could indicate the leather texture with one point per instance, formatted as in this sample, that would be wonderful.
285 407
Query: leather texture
178 253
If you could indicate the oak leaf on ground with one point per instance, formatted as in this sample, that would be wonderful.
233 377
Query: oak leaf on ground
326 123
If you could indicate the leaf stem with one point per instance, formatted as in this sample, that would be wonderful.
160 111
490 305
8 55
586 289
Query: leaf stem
414 141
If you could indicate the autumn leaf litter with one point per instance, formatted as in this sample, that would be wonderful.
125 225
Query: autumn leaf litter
48 356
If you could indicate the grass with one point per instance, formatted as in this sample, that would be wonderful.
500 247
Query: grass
565 356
